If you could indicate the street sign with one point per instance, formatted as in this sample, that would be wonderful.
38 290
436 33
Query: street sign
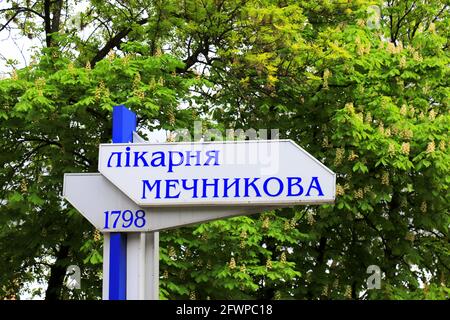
143 188
246 173
109 210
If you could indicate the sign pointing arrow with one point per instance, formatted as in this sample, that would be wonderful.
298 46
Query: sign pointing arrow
93 195
256 172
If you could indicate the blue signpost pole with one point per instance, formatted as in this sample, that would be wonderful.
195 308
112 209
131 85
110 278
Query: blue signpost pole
124 123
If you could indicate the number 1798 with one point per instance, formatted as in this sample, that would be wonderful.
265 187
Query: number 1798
126 217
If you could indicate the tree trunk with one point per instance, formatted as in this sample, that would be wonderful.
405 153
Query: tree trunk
57 274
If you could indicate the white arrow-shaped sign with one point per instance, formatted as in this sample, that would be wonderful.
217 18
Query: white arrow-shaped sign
109 210
258 172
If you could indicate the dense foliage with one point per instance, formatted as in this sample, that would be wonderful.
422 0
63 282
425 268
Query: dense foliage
369 100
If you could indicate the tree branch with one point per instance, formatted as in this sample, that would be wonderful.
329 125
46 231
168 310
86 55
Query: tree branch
47 23
8 22
408 11
114 42
23 9
439 13
57 16
155 32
